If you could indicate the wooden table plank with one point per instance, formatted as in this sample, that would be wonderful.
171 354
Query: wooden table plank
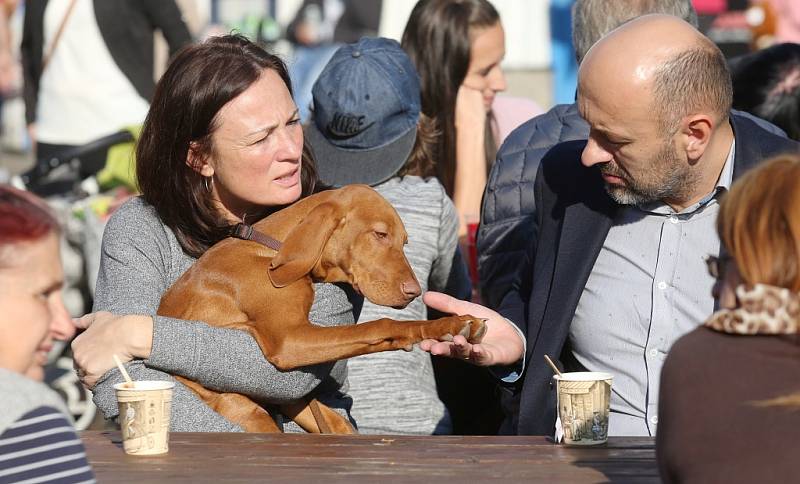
314 458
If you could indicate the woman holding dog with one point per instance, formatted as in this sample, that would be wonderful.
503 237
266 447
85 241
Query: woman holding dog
222 144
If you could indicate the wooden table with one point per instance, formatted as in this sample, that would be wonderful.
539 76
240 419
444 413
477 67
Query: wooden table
353 459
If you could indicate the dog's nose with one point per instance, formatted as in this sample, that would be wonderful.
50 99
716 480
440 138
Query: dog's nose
411 289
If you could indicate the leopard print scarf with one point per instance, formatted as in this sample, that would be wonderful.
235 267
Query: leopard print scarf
763 309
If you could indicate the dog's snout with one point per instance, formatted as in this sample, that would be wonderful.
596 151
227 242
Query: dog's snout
411 289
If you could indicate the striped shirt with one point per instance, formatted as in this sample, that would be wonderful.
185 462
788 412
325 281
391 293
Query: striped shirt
42 446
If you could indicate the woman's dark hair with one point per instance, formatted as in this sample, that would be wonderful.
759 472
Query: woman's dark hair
767 84
421 162
437 39
199 81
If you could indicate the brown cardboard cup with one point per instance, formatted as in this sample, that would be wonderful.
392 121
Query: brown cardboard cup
144 413
583 406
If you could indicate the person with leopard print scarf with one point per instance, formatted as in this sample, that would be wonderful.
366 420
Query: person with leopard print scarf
729 407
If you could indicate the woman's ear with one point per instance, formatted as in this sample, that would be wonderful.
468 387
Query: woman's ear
197 161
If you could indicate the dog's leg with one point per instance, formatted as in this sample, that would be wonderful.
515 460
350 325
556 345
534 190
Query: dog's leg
236 408
302 343
317 418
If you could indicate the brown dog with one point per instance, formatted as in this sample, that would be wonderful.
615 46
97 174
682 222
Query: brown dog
350 235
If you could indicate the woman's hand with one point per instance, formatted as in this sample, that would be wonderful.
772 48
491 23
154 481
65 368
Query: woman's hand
106 334
470 110
501 345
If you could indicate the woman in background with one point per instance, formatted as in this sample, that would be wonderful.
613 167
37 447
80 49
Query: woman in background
37 440
729 406
457 47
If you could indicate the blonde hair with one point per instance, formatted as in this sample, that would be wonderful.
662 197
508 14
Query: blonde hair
759 225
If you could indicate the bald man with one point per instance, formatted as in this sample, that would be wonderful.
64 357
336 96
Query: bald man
624 220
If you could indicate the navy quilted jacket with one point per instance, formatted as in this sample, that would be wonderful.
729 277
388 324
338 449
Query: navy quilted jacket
505 229
508 207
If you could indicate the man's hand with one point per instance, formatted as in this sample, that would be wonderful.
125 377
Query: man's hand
501 345
107 334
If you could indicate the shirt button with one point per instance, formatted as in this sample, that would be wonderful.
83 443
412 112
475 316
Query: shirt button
673 219
654 352
662 285
654 419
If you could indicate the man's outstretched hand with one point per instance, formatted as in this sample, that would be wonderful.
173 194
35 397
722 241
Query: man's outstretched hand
501 345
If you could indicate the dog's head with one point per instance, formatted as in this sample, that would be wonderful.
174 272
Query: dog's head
352 235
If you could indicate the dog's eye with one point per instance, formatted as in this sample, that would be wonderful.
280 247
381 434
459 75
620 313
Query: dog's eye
380 235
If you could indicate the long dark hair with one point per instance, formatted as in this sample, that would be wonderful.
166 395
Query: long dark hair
437 40
199 81
767 83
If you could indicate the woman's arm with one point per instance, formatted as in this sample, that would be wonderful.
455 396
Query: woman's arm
189 414
139 261
470 176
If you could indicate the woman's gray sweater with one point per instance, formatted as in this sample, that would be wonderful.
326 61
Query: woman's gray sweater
140 259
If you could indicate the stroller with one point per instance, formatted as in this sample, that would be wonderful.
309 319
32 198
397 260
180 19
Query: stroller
74 189
63 174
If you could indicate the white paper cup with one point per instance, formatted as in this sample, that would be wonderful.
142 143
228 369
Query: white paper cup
583 406
144 413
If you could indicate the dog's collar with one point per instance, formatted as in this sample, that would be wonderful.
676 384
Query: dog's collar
246 232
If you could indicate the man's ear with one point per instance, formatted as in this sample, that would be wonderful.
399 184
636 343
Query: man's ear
698 129
197 161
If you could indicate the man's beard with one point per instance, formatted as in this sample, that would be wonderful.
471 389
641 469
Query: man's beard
666 178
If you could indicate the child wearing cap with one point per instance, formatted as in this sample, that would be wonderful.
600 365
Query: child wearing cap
367 128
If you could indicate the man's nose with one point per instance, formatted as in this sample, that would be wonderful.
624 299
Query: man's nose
593 154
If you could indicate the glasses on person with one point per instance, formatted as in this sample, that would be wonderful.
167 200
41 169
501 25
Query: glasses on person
716 265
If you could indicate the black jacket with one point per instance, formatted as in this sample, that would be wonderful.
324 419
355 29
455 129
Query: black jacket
573 217
127 27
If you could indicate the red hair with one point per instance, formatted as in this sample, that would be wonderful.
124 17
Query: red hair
24 217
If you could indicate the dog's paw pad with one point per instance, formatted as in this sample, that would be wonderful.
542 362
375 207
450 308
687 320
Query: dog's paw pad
480 330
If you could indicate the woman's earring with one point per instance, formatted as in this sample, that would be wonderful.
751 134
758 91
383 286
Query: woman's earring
208 186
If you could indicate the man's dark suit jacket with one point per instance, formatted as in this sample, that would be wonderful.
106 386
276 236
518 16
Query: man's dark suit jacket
574 215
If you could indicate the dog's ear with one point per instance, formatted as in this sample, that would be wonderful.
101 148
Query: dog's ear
303 247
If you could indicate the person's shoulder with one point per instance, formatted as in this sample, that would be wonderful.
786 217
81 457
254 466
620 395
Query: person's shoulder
561 123
21 395
134 210
411 189
754 129
45 447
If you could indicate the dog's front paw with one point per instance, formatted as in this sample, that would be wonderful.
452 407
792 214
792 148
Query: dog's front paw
474 329
443 329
